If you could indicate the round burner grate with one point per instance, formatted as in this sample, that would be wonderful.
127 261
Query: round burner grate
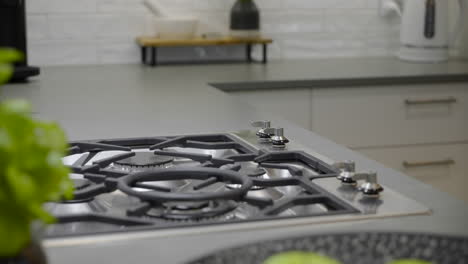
126 184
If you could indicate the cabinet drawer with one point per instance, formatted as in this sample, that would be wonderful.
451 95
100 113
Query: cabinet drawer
443 166
290 104
392 115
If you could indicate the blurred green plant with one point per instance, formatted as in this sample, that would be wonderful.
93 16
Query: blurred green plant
31 169
7 56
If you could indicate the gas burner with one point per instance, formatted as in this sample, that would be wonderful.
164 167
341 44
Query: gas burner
194 211
126 184
252 170
186 206
142 161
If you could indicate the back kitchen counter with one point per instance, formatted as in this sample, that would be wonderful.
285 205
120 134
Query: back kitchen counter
119 101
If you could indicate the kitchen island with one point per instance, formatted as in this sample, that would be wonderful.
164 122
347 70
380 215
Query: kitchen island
119 101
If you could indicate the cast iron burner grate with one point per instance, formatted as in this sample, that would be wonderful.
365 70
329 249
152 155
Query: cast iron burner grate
143 160
228 181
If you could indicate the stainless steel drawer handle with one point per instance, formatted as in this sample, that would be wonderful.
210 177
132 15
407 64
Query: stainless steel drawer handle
448 100
445 162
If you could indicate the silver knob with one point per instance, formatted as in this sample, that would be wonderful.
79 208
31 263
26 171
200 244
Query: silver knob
370 187
347 170
279 141
265 132
348 176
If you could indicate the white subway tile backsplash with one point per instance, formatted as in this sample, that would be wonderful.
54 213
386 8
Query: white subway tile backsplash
354 21
321 4
104 31
61 6
58 52
292 21
96 26
117 51
373 3
37 27
212 22
71 26
115 25
313 45
120 6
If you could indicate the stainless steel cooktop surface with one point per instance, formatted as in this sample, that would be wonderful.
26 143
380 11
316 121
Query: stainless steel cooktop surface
219 181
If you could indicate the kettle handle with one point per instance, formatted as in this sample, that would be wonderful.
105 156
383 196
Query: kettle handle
459 25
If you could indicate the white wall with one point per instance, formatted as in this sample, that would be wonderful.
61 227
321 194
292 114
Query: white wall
103 31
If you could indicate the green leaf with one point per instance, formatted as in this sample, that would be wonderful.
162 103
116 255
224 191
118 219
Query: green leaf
31 172
16 107
14 233
6 71
9 55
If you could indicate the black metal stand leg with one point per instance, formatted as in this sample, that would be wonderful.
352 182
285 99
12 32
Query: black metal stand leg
248 52
143 55
154 56
265 53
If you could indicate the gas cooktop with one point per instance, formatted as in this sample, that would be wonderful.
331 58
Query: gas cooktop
215 181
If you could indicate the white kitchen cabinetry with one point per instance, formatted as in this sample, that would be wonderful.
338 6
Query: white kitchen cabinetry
443 166
419 129
392 115
291 104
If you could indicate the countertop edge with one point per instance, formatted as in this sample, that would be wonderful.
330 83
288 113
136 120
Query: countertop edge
340 82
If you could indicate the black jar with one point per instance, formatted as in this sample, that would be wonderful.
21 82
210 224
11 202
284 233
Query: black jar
245 19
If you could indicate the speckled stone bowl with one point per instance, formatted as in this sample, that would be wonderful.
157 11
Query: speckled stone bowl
353 248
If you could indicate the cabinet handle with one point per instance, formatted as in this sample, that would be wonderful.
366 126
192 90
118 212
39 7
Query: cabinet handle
448 100
408 164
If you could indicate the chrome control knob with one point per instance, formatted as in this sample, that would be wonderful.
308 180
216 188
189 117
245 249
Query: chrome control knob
370 187
279 141
347 171
265 132
348 176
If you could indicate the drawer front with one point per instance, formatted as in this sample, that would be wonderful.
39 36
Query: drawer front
443 166
392 115
291 104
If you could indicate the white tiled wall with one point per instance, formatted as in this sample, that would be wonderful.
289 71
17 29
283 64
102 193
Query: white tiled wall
103 31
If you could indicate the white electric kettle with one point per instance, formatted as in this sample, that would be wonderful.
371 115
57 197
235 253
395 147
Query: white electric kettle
425 34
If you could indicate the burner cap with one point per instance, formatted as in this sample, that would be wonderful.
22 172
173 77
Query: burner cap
185 206
144 159
194 211
253 171
247 169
